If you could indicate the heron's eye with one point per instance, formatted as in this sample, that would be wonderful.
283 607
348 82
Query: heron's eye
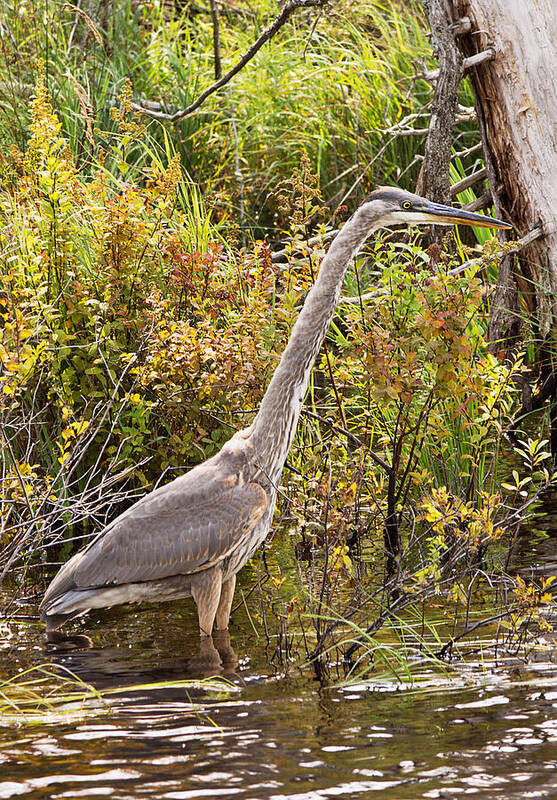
406 204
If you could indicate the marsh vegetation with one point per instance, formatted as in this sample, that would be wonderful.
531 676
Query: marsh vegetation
151 273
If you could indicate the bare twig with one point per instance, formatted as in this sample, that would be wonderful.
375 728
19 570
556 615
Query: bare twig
280 20
470 629
349 435
464 115
535 233
397 605
476 148
483 201
467 63
468 181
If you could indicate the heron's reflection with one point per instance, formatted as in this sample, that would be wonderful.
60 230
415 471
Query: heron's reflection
216 655
127 665
59 640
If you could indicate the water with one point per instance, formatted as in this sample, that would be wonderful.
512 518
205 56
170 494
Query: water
487 729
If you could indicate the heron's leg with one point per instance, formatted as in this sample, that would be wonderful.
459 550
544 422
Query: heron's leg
52 632
206 591
226 652
225 603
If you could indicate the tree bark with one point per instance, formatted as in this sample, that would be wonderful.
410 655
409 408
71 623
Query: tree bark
216 39
434 181
516 99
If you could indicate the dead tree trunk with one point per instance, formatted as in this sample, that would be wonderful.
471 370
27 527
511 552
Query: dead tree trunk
516 100
516 103
434 181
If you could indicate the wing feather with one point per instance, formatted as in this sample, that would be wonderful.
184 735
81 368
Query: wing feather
190 524
156 543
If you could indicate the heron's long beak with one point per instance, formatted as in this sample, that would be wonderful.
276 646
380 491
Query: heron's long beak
448 215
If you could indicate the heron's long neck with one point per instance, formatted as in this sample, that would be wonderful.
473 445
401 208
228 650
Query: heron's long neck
275 424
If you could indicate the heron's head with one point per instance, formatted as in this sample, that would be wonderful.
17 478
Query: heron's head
392 206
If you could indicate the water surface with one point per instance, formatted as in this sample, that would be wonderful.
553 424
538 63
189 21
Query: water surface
487 729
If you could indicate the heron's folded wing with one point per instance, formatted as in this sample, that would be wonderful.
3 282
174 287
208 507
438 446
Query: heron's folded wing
169 532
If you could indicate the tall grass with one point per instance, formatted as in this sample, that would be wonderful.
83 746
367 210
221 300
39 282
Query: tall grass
325 87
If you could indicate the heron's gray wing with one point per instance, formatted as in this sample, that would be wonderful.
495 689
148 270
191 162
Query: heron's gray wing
188 536
178 529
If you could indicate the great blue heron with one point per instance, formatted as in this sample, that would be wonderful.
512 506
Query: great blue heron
191 536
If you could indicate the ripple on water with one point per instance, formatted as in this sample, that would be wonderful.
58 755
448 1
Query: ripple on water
11 788
481 732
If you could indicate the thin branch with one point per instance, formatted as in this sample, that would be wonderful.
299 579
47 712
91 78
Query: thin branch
465 115
476 148
468 181
480 203
352 437
470 629
467 63
398 604
528 238
267 34
535 233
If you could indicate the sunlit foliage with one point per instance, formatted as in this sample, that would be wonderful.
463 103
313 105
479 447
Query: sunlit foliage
142 312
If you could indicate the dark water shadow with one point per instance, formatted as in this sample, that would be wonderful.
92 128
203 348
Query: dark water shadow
130 647
534 552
